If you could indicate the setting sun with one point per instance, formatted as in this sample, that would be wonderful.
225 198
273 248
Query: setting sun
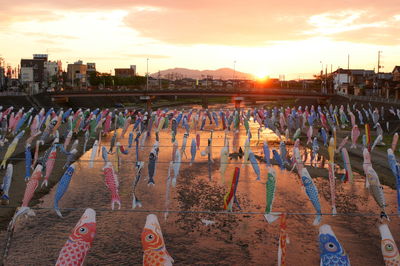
261 76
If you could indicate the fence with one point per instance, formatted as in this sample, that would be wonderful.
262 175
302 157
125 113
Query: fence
369 98
13 93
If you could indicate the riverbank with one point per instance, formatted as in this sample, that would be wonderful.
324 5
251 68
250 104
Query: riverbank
43 100
231 239
240 238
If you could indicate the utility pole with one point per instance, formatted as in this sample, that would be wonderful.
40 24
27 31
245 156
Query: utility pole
331 82
234 72
322 73
326 79
159 78
377 73
111 78
379 61
147 75
348 70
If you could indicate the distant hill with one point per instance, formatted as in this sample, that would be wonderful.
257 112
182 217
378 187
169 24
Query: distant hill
222 73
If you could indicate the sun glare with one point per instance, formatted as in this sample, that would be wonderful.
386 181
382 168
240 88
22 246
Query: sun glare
261 76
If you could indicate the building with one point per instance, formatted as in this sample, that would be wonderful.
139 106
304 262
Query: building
52 73
153 82
390 89
43 57
125 72
32 73
379 84
51 69
38 73
27 79
2 74
2 78
353 81
217 83
26 75
77 73
133 67
396 73
341 80
390 84
305 84
91 68
188 82
60 69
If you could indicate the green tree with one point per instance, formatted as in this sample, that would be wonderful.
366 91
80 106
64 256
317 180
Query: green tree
94 79
97 79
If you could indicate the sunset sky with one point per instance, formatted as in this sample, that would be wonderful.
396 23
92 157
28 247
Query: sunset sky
263 37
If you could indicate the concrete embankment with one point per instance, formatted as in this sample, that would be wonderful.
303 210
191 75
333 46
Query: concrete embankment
46 101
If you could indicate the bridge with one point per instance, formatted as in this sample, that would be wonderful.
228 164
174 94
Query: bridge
238 95
210 92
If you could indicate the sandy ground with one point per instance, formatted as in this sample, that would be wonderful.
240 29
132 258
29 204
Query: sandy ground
234 239
378 155
18 184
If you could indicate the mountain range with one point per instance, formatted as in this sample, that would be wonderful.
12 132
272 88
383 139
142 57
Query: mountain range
222 73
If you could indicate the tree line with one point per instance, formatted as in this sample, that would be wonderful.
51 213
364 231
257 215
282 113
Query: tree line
105 79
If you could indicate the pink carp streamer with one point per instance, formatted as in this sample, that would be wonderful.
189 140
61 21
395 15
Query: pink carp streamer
80 241
111 180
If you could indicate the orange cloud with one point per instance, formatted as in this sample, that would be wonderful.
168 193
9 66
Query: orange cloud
382 36
257 23
12 16
363 26
227 27
236 23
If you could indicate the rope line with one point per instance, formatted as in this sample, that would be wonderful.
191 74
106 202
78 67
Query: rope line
179 108
150 146
167 162
207 212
